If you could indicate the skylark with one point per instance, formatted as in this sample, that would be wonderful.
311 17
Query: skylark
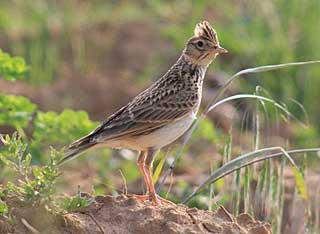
160 114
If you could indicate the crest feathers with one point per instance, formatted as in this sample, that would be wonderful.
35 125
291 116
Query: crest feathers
204 29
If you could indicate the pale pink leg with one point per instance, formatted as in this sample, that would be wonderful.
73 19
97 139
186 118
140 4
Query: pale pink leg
141 164
155 198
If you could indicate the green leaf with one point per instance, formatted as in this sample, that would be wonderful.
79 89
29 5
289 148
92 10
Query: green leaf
2 194
16 111
61 128
3 208
74 203
36 172
26 161
12 68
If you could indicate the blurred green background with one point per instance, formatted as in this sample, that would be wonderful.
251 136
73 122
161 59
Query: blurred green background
96 55
68 42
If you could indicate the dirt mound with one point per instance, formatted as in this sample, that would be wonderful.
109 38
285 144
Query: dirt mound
124 214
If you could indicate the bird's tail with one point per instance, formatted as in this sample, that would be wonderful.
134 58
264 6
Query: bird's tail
76 148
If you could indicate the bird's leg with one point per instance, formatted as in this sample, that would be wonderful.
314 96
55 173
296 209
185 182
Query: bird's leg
141 163
147 169
155 198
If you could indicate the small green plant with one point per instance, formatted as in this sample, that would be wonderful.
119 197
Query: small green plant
34 184
26 182
76 202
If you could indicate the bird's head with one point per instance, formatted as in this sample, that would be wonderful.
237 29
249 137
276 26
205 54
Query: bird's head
204 46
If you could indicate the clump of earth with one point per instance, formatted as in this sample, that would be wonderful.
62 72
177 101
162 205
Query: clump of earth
124 215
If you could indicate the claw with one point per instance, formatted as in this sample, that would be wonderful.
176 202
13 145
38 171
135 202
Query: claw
141 197
164 201
155 199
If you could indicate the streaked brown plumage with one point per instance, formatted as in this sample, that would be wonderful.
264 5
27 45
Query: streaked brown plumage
163 112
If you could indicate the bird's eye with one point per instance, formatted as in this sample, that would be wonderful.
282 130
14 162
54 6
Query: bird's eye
200 44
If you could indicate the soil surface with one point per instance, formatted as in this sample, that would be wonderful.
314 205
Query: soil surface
124 214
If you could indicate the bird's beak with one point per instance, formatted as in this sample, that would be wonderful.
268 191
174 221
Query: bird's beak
221 50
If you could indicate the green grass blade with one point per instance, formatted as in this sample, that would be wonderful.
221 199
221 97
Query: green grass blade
245 160
159 168
246 191
300 183
262 179
211 193
227 149
252 96
281 195
299 178
195 125
236 195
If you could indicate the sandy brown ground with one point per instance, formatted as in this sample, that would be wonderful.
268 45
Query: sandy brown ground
124 214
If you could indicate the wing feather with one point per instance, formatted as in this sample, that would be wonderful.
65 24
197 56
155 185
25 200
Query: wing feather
147 112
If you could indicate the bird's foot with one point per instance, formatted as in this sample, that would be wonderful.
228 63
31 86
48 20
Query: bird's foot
154 198
141 197
162 200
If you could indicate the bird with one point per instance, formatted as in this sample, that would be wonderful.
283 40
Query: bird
160 114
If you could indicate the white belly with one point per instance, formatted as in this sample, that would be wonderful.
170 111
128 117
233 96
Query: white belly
156 139
167 134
